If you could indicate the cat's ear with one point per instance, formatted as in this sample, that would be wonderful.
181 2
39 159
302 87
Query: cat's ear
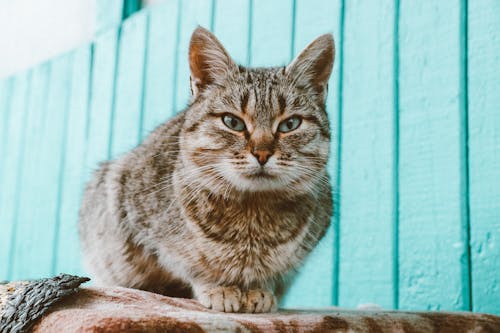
208 60
313 66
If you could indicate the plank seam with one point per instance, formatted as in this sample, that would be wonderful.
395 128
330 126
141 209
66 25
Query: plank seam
212 15
337 200
17 191
89 99
176 56
62 163
467 276
294 16
396 159
144 76
250 26
113 98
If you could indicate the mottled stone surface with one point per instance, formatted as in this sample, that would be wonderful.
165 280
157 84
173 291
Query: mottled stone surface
125 310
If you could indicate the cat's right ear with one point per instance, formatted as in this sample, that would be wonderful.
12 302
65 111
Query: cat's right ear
208 60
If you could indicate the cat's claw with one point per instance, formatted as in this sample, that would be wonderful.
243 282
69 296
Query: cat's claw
223 299
258 301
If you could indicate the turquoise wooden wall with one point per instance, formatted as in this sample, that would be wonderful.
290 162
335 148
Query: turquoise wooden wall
414 104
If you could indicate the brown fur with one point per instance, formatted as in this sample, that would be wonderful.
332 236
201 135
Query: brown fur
226 213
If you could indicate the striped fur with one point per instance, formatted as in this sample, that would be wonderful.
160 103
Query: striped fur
200 209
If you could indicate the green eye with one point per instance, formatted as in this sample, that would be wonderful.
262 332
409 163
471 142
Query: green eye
234 123
289 124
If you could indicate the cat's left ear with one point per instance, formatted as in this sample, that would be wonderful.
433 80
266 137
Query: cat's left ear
313 66
208 60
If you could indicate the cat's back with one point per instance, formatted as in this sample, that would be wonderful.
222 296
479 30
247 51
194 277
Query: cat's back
147 164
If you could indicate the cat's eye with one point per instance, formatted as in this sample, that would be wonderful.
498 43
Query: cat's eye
233 122
289 124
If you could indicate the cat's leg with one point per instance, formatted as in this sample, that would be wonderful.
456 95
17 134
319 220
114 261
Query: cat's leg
218 298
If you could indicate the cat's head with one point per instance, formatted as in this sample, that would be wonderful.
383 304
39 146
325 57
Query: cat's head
257 129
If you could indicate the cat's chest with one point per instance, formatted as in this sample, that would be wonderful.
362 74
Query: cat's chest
250 225
251 259
255 247
251 240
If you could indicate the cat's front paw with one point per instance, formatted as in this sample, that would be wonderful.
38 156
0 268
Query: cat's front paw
224 299
258 301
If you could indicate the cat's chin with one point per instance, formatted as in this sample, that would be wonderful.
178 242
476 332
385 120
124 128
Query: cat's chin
258 182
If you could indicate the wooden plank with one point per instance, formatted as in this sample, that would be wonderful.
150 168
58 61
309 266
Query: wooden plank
192 14
66 249
232 27
432 169
126 126
6 87
39 203
314 18
28 201
109 14
484 152
10 176
101 102
160 65
367 272
272 33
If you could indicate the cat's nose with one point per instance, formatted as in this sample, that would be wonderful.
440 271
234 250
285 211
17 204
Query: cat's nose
262 155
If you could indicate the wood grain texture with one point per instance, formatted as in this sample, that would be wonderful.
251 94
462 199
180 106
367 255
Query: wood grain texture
66 251
368 149
232 27
6 89
192 14
109 14
484 152
127 112
101 100
29 229
161 60
316 283
432 246
10 176
271 40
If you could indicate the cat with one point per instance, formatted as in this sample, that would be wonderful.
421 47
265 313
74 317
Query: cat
224 201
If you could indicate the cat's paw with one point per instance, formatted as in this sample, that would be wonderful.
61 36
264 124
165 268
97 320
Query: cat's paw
258 301
224 299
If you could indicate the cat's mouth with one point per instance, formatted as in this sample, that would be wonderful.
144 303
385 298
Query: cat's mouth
260 174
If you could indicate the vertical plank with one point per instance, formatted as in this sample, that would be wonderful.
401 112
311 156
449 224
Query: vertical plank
232 27
28 201
66 248
272 33
433 249
193 13
101 100
160 65
10 176
6 86
109 14
126 126
39 203
484 152
315 285
368 149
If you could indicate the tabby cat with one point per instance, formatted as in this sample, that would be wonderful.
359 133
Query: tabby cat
223 202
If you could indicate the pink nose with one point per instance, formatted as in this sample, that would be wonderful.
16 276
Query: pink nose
262 156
